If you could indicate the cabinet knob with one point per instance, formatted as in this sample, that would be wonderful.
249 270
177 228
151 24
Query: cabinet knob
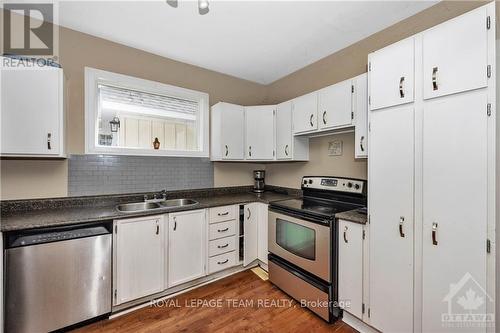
222 230
175 223
361 146
222 262
286 150
401 83
249 150
223 246
311 120
434 233
434 78
324 117
249 213
345 235
227 150
401 221
49 139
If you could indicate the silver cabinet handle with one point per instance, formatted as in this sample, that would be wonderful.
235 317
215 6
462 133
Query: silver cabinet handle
222 230
434 78
49 139
223 214
324 117
401 221
222 262
249 213
401 83
434 233
345 234
175 223
222 246
157 228
227 150
249 150
286 150
311 120
361 143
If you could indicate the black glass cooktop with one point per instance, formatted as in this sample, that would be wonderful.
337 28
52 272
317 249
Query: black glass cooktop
326 208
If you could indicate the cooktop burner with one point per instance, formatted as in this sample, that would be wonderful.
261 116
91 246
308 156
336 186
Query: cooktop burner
327 208
326 196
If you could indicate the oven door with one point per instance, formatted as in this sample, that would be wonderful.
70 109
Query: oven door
303 243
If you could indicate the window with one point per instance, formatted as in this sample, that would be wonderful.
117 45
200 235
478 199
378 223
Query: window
131 116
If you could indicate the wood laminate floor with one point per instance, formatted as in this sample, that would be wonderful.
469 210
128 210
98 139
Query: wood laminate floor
239 303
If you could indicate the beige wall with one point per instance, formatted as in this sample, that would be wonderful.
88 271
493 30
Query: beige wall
30 179
320 163
35 178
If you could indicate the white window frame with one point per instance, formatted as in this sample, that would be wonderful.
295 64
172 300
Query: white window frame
94 77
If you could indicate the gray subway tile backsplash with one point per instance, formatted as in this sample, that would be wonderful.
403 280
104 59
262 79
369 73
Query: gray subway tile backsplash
105 174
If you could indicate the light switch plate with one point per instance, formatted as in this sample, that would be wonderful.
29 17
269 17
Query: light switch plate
335 148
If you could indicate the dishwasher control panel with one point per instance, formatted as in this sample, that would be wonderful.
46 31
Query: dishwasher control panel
54 235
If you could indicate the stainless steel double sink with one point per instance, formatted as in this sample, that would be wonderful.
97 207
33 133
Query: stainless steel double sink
147 206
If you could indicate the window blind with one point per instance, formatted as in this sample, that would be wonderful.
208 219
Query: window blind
170 105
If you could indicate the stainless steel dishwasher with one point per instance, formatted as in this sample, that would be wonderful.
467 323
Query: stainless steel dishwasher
57 278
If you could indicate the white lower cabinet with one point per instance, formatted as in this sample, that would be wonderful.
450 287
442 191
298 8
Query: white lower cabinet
351 270
186 246
391 205
139 258
255 226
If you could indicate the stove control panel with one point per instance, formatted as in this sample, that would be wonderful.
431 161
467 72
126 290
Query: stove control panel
334 184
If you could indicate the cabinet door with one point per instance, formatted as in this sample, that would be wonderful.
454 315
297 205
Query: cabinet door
351 267
392 75
284 131
454 209
455 55
232 136
259 129
360 105
139 255
304 113
262 229
335 105
31 111
391 197
186 246
250 225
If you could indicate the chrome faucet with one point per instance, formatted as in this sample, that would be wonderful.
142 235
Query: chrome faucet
158 197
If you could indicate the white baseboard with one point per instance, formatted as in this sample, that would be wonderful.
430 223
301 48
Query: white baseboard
357 324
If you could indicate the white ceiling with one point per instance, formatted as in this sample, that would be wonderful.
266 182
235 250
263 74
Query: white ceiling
260 41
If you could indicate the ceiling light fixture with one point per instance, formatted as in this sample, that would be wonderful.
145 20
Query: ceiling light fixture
203 7
173 3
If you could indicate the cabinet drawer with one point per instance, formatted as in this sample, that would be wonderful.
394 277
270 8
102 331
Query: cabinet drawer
224 213
222 229
223 245
222 261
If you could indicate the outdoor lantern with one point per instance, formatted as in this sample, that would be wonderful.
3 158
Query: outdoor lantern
115 124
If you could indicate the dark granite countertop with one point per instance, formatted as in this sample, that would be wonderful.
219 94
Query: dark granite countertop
352 216
83 210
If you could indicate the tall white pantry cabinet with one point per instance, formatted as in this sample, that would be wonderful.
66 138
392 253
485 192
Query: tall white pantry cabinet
432 172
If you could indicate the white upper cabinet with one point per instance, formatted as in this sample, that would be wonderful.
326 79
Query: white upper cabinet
227 131
289 147
139 257
305 111
335 105
360 106
32 112
187 234
392 75
455 55
259 129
